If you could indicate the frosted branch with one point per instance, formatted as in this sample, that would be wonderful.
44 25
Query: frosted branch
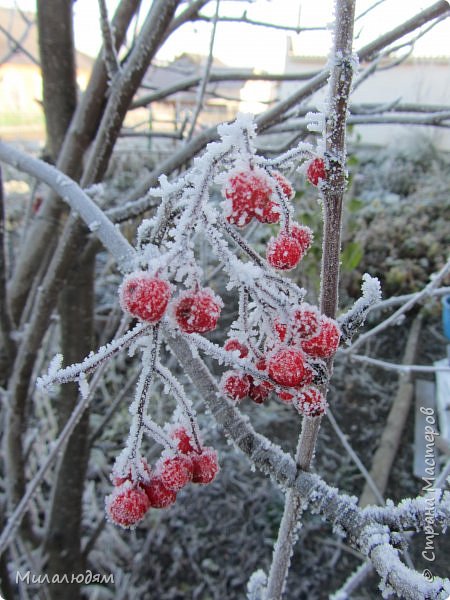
394 318
93 361
79 202
206 74
109 49
383 364
353 319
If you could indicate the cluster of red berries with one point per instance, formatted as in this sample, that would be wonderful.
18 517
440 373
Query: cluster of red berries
147 297
253 194
132 498
293 359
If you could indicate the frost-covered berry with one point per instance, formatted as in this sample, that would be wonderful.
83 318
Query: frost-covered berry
127 506
158 494
270 212
304 324
285 396
234 344
283 252
316 171
326 342
235 385
198 311
144 296
205 466
175 472
259 392
303 235
245 193
261 364
310 402
184 440
286 366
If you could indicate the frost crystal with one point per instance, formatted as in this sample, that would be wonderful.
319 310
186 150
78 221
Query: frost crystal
352 320
256 585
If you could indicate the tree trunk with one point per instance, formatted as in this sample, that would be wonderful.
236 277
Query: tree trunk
63 542
59 84
80 134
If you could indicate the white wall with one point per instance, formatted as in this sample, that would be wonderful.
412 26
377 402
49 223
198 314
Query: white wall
417 81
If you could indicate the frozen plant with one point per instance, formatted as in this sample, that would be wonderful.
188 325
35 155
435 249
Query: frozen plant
277 347
280 347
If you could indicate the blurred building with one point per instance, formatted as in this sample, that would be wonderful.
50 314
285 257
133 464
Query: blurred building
416 80
20 76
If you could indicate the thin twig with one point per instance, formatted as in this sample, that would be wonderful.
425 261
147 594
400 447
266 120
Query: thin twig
109 50
397 367
355 458
6 324
394 318
205 78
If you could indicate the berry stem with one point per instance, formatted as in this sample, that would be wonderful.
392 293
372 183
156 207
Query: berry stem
285 209
92 362
243 314
158 434
142 394
182 400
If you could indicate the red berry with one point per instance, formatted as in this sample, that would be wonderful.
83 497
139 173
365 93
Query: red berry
234 344
184 440
246 192
198 311
144 296
326 342
126 507
285 397
303 235
205 466
285 185
283 252
261 364
269 213
286 367
235 385
158 494
316 171
260 391
310 402
304 324
175 472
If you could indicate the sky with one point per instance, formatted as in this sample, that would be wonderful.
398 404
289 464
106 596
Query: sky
264 49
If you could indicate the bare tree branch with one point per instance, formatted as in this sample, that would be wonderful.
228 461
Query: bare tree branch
109 51
267 24
205 77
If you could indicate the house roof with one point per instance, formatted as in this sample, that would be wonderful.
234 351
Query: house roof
161 76
19 43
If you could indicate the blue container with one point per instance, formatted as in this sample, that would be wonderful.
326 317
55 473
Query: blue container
446 316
